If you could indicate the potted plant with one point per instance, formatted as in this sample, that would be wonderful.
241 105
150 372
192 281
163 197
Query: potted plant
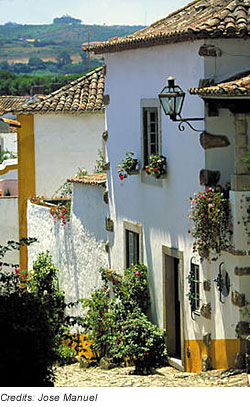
156 166
128 166
211 214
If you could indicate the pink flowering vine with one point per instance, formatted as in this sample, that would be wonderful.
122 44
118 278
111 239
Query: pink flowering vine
61 212
210 214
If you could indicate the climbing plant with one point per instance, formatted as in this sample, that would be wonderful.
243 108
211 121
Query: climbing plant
210 214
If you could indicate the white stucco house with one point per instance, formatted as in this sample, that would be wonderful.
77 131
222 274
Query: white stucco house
202 44
59 134
78 247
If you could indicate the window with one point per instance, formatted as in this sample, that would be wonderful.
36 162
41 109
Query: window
151 140
132 243
195 286
132 248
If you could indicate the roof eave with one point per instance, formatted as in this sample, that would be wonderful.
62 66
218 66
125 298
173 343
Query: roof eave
224 97
163 39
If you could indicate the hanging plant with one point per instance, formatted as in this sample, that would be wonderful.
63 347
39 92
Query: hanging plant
156 166
128 166
61 212
210 214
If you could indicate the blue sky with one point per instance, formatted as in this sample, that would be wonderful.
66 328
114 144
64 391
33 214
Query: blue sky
131 12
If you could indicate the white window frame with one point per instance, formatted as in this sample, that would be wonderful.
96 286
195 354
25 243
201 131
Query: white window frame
150 104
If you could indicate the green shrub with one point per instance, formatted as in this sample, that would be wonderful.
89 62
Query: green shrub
32 322
65 355
98 322
43 283
141 341
27 338
116 322
6 155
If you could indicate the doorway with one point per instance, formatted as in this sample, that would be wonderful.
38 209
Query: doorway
172 301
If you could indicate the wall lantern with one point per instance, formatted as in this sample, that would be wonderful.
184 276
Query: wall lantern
172 98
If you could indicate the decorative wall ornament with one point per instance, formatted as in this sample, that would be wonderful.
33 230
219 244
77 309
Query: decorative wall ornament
106 196
222 282
105 135
242 271
206 311
109 224
208 141
207 285
106 166
209 178
238 299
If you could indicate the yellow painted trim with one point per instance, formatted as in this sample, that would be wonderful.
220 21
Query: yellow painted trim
220 351
8 168
26 177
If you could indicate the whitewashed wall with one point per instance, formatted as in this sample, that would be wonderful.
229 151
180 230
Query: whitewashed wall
78 248
161 210
234 58
8 142
9 225
12 174
63 143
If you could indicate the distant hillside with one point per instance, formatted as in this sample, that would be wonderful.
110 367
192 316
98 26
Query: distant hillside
18 43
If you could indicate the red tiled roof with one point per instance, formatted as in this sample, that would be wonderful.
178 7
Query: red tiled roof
232 88
197 20
85 94
91 179
7 103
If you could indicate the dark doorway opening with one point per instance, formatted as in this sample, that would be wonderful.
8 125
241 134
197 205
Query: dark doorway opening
172 301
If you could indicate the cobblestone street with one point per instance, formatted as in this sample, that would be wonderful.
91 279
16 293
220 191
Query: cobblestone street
74 376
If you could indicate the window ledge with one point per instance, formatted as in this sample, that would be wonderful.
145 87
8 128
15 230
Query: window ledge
133 172
151 180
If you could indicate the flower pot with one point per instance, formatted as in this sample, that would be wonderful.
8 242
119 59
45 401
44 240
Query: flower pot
132 172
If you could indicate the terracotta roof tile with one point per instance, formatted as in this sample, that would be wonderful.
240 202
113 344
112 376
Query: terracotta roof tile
91 179
7 103
237 87
82 95
199 19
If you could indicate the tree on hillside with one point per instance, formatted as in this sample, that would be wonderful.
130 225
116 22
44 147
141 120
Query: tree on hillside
66 20
84 57
63 58
36 63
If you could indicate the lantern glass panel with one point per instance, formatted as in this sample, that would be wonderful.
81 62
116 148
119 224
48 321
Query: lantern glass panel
168 104
179 102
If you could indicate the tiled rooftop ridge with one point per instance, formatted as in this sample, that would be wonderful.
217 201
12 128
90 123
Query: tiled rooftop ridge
237 87
197 20
8 103
84 94
90 179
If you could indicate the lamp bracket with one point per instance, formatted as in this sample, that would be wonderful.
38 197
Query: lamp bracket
183 121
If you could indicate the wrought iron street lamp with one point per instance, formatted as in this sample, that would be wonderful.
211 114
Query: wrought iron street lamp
172 98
